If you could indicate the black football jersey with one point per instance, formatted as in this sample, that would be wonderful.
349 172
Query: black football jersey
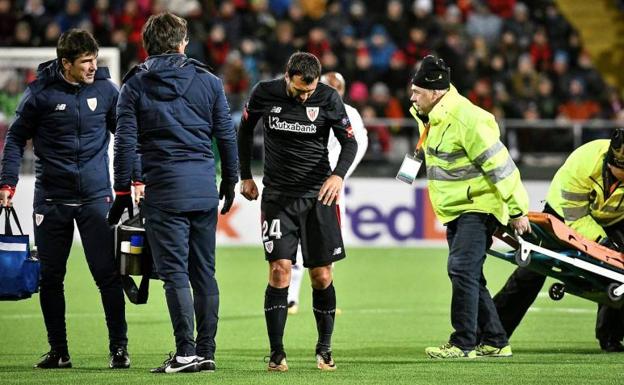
295 137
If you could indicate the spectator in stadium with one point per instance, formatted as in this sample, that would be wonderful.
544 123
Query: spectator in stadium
334 80
473 185
69 113
174 108
300 192
583 194
8 21
578 106
281 47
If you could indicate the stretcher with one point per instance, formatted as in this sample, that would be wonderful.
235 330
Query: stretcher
584 268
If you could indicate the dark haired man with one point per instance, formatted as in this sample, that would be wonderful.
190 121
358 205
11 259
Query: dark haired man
174 107
473 185
300 192
586 193
69 113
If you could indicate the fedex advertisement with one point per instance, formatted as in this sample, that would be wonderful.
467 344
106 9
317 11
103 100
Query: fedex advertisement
379 212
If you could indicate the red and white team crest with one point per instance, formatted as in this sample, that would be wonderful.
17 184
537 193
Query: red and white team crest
268 246
312 113
92 103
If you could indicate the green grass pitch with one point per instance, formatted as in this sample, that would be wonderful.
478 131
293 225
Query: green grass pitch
394 301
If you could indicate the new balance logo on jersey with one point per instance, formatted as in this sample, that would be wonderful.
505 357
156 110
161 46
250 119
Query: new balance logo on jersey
276 109
60 107
337 250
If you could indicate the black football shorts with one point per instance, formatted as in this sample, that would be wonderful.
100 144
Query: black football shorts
286 221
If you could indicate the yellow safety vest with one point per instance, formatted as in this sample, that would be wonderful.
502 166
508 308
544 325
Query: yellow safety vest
468 167
577 192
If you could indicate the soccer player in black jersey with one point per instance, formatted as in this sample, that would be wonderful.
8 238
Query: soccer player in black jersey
300 192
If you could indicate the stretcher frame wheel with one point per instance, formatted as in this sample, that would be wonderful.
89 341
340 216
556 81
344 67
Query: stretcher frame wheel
556 291
611 292
518 257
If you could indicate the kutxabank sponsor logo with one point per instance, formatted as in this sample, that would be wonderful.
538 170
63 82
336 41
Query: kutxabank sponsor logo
276 124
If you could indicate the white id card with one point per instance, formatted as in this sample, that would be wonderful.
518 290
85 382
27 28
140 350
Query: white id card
409 169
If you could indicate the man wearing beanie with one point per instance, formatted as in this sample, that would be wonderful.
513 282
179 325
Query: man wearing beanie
474 186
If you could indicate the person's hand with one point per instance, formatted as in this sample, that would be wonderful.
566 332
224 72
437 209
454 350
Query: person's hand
6 195
330 190
249 189
123 200
521 224
226 190
139 191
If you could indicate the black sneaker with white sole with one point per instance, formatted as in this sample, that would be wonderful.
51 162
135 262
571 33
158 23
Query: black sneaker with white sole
119 359
54 360
206 364
171 365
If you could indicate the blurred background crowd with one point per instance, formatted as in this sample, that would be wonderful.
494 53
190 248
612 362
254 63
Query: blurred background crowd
517 59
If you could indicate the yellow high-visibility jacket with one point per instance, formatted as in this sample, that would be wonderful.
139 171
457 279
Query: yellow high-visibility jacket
577 192
468 167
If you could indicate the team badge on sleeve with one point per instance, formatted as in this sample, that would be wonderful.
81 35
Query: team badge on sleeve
92 103
312 113
349 131
268 246
38 219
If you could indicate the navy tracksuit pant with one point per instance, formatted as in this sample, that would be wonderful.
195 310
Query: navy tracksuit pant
183 248
54 234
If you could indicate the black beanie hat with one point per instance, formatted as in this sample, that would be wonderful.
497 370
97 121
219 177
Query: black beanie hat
615 155
433 74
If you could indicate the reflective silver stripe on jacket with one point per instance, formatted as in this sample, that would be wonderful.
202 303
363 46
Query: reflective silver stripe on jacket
446 156
456 174
575 213
573 196
490 152
606 209
502 172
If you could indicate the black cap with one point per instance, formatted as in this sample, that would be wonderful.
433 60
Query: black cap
433 74
616 150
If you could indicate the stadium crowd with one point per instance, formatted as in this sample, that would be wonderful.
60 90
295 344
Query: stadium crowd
516 59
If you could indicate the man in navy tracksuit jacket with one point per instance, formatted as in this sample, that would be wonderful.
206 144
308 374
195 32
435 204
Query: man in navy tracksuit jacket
69 113
173 107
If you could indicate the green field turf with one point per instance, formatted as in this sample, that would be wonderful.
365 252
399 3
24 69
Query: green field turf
395 302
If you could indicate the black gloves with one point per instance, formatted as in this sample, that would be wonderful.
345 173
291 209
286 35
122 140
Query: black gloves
122 201
226 190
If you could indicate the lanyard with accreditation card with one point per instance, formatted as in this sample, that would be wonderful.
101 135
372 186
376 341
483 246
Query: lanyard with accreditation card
412 162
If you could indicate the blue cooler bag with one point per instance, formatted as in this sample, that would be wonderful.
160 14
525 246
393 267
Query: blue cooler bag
19 270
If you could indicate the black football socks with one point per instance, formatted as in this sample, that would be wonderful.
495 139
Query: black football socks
324 307
275 312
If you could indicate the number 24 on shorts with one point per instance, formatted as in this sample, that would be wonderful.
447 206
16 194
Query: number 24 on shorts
273 230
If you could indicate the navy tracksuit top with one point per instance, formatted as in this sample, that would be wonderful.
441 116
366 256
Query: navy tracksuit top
169 110
70 126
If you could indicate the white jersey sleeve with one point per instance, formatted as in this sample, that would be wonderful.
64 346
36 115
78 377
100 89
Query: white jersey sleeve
361 137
